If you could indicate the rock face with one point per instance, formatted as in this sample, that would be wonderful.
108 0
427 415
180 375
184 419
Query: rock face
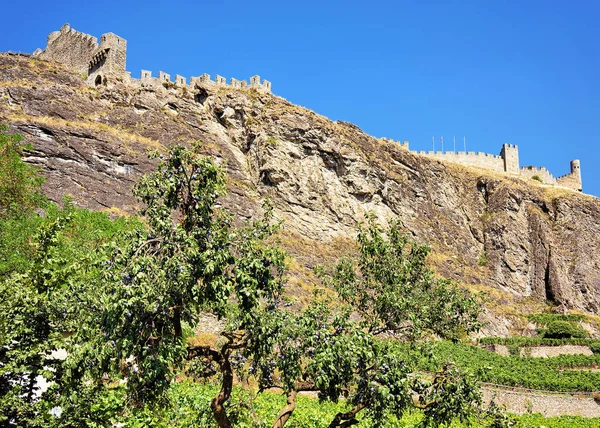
490 230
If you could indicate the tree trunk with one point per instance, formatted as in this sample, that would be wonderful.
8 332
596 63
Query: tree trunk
343 420
287 411
218 403
177 324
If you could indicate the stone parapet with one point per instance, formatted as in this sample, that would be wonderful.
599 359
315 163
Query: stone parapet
508 162
105 62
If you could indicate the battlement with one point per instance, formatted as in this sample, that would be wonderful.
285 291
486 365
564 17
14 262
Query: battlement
390 141
105 62
255 83
508 162
66 29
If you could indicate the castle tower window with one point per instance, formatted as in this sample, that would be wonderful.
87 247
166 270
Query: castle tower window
98 80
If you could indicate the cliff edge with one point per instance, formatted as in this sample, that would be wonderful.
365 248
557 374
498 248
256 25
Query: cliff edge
525 243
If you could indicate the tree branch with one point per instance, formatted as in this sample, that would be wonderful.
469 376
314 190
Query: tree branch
287 411
343 420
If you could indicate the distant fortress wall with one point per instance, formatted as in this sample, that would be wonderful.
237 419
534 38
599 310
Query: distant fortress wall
255 82
506 162
479 159
539 173
105 63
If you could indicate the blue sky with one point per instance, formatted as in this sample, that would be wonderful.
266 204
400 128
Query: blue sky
524 72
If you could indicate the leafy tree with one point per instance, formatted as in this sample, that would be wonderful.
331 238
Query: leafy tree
46 262
27 335
395 292
19 182
121 311
190 259
37 315
389 291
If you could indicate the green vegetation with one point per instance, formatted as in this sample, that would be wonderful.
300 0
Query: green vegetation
537 178
563 330
545 319
121 297
189 406
551 374
20 183
85 232
482 259
272 141
537 341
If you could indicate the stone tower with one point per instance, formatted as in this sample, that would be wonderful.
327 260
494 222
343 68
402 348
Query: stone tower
576 173
81 52
70 47
576 168
510 155
109 60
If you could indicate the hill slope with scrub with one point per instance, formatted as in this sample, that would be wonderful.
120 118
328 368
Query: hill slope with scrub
527 244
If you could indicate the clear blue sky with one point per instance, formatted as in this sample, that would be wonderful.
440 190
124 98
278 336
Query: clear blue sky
521 71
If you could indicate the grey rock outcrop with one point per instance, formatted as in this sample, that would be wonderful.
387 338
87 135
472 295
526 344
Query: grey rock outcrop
489 230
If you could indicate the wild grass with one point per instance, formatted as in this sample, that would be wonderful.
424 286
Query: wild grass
119 133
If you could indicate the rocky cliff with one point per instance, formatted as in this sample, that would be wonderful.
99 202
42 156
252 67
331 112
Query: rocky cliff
525 243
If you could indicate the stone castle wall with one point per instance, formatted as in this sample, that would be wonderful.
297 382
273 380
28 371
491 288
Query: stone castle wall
508 162
542 173
106 62
70 47
571 181
390 141
255 81
479 159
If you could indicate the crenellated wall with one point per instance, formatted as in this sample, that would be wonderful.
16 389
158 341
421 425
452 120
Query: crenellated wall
255 83
508 162
541 173
479 159
390 141
573 179
109 61
70 47
106 62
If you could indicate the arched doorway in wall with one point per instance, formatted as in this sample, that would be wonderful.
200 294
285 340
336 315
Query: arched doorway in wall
98 80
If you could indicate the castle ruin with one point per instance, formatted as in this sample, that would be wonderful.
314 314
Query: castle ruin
508 162
104 63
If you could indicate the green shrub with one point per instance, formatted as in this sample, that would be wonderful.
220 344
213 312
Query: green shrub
564 330
595 348
544 319
482 259
20 183
537 341
537 178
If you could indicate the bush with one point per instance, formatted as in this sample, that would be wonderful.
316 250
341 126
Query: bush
537 178
544 319
20 183
482 259
595 348
564 330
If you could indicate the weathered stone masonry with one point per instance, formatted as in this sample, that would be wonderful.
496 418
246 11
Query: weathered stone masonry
105 63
